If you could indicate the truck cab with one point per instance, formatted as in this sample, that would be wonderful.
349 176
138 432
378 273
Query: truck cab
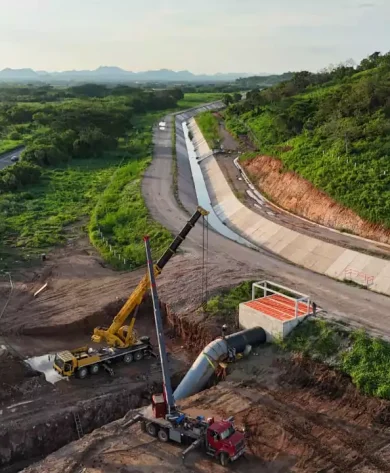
68 363
64 363
224 441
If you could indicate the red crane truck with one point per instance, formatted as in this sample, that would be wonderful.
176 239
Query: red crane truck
164 420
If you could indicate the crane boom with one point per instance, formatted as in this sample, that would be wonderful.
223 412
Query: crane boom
118 335
159 331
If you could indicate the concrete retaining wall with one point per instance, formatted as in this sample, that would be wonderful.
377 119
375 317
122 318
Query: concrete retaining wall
317 255
274 328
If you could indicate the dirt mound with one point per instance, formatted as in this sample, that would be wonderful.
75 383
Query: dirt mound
17 379
288 429
299 196
82 293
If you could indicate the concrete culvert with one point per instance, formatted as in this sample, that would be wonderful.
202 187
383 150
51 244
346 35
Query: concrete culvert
204 366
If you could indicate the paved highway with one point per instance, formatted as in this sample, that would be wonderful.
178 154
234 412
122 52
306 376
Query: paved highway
357 306
5 159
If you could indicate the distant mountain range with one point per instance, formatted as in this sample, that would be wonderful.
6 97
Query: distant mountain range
106 74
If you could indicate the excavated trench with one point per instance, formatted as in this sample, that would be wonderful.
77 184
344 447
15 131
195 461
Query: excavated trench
27 442
48 428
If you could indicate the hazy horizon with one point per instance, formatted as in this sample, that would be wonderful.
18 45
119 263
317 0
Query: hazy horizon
247 36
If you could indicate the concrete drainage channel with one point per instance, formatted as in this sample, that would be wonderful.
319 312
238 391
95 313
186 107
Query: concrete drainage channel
203 196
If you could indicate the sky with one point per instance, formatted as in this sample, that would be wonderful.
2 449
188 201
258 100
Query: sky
204 36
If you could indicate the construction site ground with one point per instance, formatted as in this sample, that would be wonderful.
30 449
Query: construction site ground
83 293
298 417
36 417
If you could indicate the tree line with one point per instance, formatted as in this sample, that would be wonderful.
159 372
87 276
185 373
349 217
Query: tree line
87 125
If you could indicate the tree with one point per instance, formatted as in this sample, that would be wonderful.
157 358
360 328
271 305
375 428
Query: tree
227 99
89 90
371 61
176 93
237 97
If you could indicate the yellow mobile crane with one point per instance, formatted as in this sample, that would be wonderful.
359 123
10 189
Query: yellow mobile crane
122 342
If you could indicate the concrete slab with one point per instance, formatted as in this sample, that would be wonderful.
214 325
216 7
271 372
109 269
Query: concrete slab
265 231
382 282
340 264
360 261
220 212
283 240
324 255
296 250
375 267
242 218
275 314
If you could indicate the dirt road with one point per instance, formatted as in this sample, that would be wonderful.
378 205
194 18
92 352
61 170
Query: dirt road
357 306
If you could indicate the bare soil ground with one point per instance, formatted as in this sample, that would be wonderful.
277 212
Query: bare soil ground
299 196
298 416
82 293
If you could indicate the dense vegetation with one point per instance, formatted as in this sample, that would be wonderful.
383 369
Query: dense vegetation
226 303
262 82
87 125
332 128
85 155
365 359
120 214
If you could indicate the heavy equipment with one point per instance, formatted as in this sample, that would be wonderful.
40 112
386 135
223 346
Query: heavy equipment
121 340
163 419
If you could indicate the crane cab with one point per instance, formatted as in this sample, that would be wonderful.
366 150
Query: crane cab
159 406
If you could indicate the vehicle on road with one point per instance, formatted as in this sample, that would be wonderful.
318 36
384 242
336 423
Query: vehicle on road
15 159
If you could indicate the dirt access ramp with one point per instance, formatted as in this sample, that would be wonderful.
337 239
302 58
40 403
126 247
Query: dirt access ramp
299 417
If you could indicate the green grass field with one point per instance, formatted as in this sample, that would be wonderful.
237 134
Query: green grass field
39 217
8 145
121 214
364 358
100 194
194 99
209 127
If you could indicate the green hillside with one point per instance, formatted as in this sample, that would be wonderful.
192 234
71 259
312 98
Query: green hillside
263 81
333 128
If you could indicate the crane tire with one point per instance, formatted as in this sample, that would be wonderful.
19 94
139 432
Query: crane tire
94 369
138 355
224 459
128 358
82 373
163 435
151 429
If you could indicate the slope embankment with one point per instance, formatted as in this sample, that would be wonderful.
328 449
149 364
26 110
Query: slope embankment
297 195
308 252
